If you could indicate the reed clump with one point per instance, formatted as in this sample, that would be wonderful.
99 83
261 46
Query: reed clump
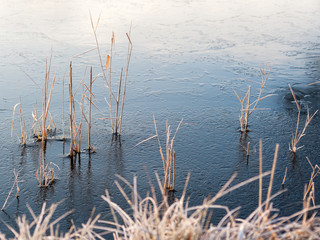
39 126
296 137
116 99
168 156
247 105
45 173
75 129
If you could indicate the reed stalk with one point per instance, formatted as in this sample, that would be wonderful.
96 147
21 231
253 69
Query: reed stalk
15 183
126 77
23 139
63 124
71 111
272 176
108 73
90 100
22 126
89 121
260 173
284 177
248 151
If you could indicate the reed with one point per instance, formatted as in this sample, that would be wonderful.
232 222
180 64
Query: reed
71 110
89 120
63 124
248 150
247 105
299 134
116 101
260 174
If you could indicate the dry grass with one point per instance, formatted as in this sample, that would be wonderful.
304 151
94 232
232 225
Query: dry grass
152 219
298 135
247 105
42 227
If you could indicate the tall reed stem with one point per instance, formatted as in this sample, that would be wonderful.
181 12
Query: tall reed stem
260 173
71 114
63 133
89 118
